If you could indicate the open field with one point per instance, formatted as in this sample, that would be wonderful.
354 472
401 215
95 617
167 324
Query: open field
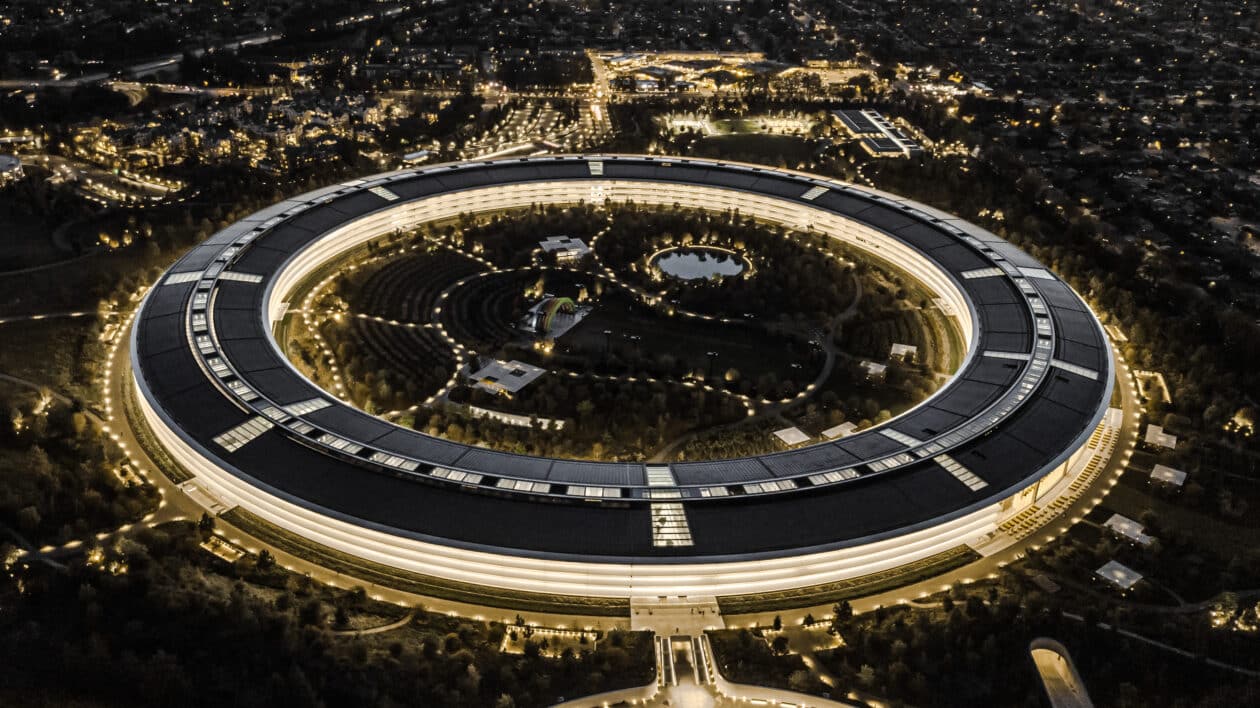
756 147
25 242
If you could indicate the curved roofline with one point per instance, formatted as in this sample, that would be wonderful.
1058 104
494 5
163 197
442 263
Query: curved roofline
293 272
1026 325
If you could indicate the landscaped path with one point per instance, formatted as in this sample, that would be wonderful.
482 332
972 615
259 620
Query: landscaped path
397 624
1170 648
1181 608
36 386
176 504
826 341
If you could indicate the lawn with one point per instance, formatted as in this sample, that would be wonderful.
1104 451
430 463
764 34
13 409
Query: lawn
26 242
50 353
751 351
754 147
1227 539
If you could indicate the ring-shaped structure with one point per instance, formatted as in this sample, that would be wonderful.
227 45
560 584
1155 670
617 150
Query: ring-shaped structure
227 406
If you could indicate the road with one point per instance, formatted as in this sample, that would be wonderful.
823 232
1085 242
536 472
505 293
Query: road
102 186
41 388
1170 648
55 264
45 315
139 69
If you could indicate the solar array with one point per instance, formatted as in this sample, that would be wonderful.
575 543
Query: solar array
1034 385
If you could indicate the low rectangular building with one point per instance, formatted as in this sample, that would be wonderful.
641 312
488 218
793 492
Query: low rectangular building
505 377
874 372
901 351
791 436
877 135
1128 528
1119 575
1167 475
1156 436
839 431
565 248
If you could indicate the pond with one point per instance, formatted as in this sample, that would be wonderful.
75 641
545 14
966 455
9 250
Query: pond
694 263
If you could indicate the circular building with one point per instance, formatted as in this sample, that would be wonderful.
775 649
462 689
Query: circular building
257 437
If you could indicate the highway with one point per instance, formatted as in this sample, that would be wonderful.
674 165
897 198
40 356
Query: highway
44 316
139 69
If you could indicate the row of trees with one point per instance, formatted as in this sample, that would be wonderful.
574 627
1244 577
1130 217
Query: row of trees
60 478
747 656
156 622
621 418
973 650
601 419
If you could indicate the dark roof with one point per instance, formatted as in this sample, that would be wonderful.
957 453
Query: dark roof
857 122
1034 431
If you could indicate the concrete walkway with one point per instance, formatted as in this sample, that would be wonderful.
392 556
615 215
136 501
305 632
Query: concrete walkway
398 624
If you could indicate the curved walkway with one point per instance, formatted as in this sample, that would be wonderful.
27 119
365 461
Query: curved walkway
826 340
1181 608
462 353
397 624
50 266
1170 648
41 388
45 315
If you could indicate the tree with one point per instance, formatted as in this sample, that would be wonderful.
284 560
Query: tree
802 681
866 676
840 614
28 518
358 596
779 646
311 612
